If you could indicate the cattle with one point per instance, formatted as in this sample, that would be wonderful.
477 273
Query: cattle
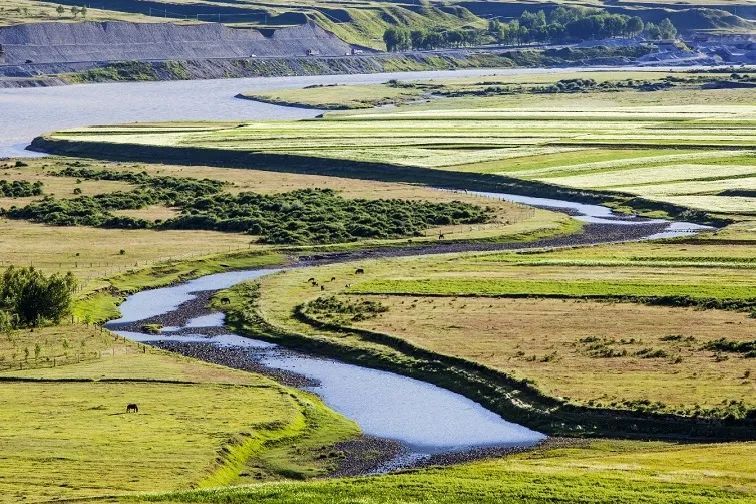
225 301
322 287
359 271
132 408
441 236
311 279
333 279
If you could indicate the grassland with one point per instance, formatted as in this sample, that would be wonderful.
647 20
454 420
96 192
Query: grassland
93 253
626 143
595 472
65 433
545 317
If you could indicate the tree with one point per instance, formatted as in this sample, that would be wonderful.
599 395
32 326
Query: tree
74 10
667 29
391 38
417 39
60 10
31 297
634 26
614 25
652 31
83 11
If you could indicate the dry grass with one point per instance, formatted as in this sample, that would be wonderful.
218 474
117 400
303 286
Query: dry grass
539 339
95 253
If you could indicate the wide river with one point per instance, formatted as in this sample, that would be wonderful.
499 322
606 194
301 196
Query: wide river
26 113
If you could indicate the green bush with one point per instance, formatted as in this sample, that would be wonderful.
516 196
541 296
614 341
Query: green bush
29 298
298 217
20 188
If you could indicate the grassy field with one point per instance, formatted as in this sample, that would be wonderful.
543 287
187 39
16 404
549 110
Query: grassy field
588 351
65 434
93 253
654 144
595 472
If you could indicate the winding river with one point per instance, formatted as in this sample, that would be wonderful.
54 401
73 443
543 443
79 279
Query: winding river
424 418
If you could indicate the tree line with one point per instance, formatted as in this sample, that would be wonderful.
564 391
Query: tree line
563 24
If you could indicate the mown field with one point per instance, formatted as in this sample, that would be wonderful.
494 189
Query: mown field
688 148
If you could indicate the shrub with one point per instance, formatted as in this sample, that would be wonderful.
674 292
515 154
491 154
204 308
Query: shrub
31 298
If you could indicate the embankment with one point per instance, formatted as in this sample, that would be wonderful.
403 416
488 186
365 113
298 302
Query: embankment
56 43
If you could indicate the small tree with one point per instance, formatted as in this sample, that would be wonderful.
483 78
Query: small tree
634 26
667 29
60 10
652 31
83 11
74 10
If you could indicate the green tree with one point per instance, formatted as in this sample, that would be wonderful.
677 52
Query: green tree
634 26
60 10
667 30
652 31
33 297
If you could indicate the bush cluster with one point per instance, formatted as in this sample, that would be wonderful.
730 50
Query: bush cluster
29 298
298 217
333 307
20 188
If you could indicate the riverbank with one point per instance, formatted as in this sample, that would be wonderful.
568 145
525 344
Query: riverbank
299 64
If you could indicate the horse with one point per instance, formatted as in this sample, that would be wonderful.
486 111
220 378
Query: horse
225 300
333 279
359 271
132 408
441 237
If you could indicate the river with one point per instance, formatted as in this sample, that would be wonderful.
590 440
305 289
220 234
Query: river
424 418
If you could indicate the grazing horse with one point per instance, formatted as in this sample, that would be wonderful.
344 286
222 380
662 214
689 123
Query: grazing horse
441 237
132 408
359 271
333 279
225 300
311 279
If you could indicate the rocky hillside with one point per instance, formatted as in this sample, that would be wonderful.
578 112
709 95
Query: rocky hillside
122 41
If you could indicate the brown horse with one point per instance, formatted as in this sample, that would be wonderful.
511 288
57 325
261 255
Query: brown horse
132 408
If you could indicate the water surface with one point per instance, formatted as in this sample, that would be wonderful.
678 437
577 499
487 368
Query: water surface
425 418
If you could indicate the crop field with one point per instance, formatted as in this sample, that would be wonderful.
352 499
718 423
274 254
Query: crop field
698 156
